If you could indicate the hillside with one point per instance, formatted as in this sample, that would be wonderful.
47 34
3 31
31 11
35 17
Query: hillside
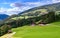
43 15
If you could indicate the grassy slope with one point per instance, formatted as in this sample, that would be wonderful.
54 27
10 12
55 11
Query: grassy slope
48 31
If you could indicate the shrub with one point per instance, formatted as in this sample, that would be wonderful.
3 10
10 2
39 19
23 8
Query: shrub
4 29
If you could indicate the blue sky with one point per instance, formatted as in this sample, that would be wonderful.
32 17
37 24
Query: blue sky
16 6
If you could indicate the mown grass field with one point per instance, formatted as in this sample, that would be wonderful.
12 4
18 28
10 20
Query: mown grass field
48 31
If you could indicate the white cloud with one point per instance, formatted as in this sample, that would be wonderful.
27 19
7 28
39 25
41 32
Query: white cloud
2 10
33 3
15 5
55 1
9 11
14 10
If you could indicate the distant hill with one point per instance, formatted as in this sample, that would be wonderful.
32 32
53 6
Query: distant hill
3 16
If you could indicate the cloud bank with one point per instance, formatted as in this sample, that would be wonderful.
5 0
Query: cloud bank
55 1
18 7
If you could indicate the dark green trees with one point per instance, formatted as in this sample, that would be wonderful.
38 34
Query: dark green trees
48 18
4 29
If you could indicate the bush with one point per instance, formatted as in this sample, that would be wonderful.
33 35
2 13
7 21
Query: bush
4 29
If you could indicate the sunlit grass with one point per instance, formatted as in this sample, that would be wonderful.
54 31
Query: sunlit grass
47 31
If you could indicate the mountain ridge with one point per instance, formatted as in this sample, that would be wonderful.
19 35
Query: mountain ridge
54 7
3 16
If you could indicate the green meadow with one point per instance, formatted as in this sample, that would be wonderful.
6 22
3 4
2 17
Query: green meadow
47 31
